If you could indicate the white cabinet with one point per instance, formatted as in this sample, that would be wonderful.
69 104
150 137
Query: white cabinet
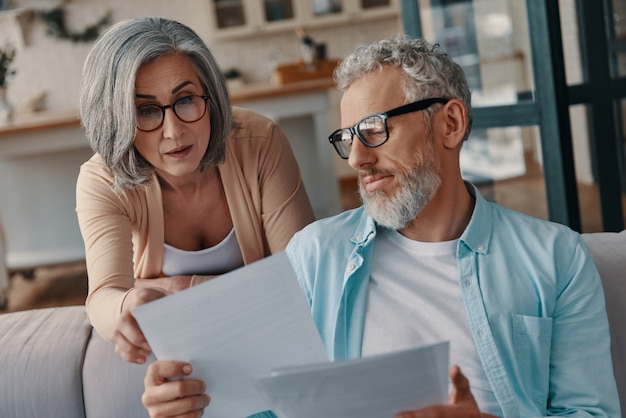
231 18
240 18
303 117
39 163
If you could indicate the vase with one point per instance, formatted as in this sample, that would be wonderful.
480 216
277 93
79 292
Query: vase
6 110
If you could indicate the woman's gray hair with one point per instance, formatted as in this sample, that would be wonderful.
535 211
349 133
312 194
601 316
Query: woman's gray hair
107 93
429 72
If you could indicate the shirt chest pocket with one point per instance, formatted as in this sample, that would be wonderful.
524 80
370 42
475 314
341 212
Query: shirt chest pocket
532 341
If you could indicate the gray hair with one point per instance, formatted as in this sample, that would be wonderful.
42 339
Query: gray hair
429 72
107 93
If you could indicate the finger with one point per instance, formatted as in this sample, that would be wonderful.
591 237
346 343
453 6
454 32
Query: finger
174 390
169 393
188 407
461 400
162 371
461 391
129 328
128 351
148 294
130 343
138 296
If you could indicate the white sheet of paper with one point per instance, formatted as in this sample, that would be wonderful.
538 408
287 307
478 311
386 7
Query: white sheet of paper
372 387
234 328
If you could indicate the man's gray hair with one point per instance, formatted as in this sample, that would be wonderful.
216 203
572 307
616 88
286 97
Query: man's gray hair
107 93
429 71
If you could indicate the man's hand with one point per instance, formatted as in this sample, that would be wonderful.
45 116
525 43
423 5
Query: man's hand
130 343
461 402
169 393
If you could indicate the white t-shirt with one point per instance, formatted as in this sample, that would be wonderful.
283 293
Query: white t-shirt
414 299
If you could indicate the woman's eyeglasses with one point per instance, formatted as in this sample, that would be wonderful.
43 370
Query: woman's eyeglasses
187 109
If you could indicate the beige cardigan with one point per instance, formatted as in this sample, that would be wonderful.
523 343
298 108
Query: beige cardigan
124 232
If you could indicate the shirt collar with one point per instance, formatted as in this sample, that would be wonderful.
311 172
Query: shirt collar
477 234
365 229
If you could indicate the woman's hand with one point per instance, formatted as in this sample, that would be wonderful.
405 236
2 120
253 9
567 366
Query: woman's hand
168 392
461 402
171 284
130 343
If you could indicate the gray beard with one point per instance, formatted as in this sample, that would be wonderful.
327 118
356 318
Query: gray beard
418 185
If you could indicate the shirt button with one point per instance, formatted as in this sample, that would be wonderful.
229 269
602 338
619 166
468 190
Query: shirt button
468 282
351 267
481 248
359 238
481 334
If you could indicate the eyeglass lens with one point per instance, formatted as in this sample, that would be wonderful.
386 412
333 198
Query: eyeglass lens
371 130
187 109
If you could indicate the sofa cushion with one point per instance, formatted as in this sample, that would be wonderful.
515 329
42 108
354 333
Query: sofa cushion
41 357
112 387
609 253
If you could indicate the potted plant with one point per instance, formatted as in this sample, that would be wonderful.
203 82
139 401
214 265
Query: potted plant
233 78
7 54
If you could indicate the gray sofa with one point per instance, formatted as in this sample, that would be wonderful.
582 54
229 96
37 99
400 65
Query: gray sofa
53 365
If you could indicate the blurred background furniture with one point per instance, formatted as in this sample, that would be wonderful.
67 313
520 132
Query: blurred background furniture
39 161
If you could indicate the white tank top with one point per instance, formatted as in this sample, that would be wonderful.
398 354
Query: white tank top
219 259
414 299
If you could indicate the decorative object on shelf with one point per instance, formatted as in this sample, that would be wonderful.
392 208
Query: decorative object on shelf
300 71
307 48
35 104
7 54
55 20
234 79
6 109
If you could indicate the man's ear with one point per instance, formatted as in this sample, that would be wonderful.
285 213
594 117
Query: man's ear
453 123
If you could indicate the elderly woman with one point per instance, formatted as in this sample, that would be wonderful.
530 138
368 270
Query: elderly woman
182 186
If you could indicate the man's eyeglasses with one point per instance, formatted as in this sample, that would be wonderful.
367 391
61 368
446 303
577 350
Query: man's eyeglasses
372 130
187 109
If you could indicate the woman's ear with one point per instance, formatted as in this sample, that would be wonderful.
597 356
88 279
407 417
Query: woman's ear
453 123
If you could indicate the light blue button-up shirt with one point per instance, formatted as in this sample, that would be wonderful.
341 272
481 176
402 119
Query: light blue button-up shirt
532 294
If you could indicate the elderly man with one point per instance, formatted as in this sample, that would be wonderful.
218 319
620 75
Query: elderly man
426 258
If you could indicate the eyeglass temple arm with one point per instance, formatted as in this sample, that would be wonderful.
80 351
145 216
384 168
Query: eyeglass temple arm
416 106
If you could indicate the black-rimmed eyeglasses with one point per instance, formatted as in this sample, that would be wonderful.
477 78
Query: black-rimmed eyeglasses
372 130
187 109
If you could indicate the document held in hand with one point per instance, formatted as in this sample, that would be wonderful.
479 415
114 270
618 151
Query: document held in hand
371 387
233 328
247 331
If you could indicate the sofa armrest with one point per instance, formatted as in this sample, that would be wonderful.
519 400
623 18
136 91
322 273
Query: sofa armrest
112 387
41 358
